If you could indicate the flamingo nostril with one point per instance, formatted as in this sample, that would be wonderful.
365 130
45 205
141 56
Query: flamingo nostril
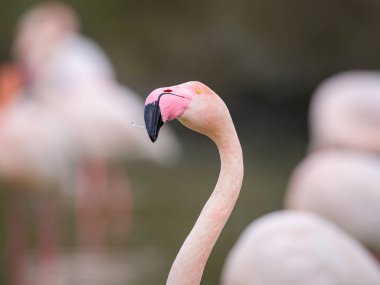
168 90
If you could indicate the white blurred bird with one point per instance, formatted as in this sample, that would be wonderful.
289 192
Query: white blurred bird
71 74
342 186
340 181
37 152
298 248
35 147
345 112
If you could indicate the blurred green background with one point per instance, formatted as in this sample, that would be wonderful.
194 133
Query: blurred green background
264 57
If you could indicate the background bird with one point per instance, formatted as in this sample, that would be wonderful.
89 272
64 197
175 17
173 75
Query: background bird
37 152
344 112
339 180
71 91
342 186
290 247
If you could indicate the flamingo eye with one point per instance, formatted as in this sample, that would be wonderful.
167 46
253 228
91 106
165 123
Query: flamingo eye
198 91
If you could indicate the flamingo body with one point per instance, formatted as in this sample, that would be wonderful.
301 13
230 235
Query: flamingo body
35 147
342 186
294 248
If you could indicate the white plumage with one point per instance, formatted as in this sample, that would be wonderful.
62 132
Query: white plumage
342 186
35 147
345 111
291 248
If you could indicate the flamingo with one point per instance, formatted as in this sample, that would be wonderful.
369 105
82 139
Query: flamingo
199 108
297 248
342 186
71 76
37 151
344 112
339 178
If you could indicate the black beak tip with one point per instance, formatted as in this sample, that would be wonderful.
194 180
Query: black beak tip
153 120
152 137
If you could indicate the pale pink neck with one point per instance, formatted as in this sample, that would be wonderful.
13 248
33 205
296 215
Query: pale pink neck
190 262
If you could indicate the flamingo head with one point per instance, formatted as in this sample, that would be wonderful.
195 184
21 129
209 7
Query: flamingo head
189 102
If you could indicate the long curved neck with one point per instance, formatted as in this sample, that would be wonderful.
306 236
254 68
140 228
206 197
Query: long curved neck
190 262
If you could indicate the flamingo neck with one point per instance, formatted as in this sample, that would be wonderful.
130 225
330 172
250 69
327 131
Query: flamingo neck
190 262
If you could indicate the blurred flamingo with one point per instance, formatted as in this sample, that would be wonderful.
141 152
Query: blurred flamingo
70 74
345 112
341 181
297 248
342 186
37 151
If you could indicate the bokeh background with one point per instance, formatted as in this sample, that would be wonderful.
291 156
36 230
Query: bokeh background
263 57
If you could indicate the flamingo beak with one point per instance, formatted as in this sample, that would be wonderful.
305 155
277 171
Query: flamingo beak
157 110
153 119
